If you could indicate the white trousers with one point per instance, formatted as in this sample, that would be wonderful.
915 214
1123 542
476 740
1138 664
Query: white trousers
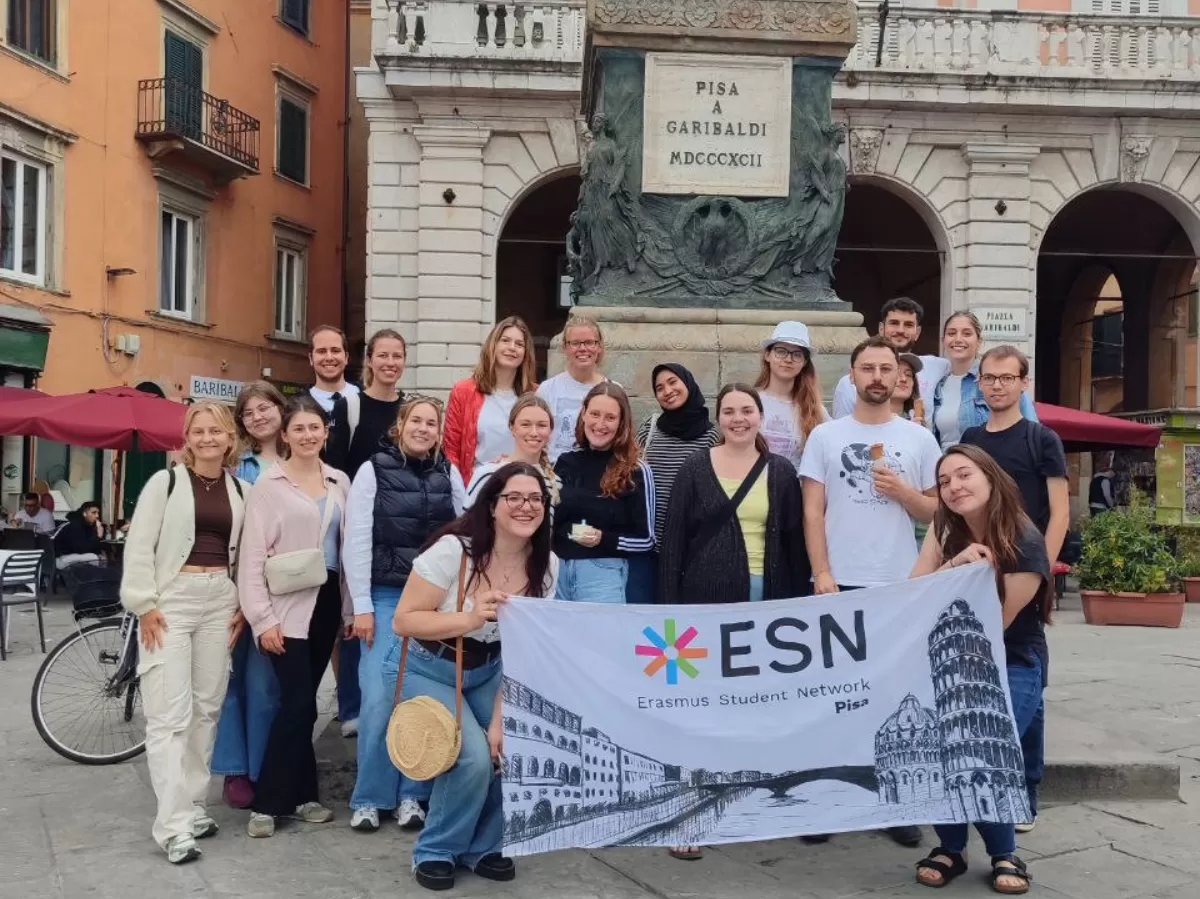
183 687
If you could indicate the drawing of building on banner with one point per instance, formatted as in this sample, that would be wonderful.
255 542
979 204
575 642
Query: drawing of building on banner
967 750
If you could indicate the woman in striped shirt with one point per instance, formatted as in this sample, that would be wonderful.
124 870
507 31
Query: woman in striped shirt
667 439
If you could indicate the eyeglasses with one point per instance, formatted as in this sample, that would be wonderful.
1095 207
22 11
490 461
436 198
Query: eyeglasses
783 354
1002 380
515 501
262 411
582 344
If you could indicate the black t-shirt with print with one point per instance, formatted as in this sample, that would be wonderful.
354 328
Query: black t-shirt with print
1011 448
1025 638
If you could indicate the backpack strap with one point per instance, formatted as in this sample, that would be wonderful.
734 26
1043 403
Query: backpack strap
170 481
1033 439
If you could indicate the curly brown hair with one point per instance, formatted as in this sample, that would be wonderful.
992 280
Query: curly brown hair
618 476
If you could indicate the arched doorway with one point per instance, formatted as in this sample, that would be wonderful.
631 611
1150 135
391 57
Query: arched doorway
1115 297
886 249
531 260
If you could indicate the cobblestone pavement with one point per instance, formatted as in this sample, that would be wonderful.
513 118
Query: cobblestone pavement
1117 695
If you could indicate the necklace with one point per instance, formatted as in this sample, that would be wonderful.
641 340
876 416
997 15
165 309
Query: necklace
207 483
508 570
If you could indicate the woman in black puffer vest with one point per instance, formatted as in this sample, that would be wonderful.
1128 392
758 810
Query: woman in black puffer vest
396 503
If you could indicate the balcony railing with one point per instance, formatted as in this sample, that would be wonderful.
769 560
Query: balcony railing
1040 44
547 32
215 134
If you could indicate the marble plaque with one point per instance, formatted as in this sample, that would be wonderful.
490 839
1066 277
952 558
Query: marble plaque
1003 324
718 125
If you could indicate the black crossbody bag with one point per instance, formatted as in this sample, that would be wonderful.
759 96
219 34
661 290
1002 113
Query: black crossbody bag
709 529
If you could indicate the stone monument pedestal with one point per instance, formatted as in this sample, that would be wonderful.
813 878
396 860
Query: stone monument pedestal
717 345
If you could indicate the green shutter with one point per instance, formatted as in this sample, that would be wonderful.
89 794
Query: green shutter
183 69
293 141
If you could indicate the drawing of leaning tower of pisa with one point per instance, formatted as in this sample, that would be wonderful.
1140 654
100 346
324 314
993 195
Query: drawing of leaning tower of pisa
981 750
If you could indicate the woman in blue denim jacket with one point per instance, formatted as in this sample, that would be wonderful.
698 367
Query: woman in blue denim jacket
958 402
253 695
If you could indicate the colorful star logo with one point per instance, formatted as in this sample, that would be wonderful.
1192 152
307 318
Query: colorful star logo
671 652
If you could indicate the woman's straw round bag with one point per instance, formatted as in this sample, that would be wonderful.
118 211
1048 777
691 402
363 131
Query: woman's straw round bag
423 739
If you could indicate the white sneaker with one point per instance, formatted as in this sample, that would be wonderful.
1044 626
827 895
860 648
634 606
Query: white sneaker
314 813
410 815
365 820
1026 828
350 728
182 849
261 826
203 826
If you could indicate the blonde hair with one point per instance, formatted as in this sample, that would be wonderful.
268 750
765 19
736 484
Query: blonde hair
382 334
485 368
223 416
263 390
533 401
405 412
582 321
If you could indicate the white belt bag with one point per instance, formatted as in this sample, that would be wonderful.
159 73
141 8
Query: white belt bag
302 569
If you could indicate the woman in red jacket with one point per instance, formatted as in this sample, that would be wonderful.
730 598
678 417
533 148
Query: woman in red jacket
477 414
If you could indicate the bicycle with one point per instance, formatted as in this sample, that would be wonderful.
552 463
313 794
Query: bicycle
86 701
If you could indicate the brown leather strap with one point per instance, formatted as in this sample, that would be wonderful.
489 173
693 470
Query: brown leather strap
458 646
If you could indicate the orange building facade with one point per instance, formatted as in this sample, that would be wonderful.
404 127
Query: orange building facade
172 190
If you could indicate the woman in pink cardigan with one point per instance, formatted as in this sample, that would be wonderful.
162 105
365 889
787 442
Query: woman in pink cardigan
297 507
477 414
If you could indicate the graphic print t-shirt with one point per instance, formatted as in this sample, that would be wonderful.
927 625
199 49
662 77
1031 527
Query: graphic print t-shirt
564 395
869 537
781 428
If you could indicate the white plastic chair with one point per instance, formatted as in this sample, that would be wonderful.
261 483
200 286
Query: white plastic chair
19 578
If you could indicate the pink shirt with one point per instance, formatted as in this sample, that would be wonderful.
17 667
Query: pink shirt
282 518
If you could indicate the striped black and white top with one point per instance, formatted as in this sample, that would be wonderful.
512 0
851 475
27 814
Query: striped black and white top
665 455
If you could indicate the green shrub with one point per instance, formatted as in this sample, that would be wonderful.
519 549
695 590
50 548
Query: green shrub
1187 551
1124 552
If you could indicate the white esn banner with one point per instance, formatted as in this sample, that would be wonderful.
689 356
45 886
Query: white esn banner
669 725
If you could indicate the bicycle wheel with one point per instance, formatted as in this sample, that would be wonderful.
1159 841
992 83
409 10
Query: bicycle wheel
85 705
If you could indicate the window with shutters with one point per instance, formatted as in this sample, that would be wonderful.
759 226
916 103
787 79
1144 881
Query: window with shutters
183 75
291 277
23 213
33 27
294 14
291 138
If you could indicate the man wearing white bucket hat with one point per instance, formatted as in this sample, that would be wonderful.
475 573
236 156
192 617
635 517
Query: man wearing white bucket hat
791 395
900 325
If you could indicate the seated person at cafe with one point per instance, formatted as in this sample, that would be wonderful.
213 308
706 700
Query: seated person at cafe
32 516
81 538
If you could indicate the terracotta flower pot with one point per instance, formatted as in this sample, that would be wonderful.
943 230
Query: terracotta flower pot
1191 588
1139 609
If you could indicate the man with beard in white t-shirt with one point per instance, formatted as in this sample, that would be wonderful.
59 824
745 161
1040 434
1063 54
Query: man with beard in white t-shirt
899 324
865 478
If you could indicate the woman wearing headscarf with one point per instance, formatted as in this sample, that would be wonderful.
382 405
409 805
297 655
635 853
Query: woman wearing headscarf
668 438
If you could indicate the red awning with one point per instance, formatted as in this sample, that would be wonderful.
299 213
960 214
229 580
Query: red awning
113 418
8 394
1089 431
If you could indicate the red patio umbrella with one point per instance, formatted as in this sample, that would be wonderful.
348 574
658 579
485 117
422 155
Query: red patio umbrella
18 393
1091 432
115 418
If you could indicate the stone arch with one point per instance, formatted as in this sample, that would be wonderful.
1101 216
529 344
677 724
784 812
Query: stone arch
883 191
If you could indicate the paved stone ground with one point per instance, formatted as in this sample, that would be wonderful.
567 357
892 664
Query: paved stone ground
1117 695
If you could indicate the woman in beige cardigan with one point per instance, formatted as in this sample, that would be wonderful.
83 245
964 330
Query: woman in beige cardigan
181 549
297 507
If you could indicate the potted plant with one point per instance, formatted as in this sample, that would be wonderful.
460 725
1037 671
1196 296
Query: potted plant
1127 574
1187 550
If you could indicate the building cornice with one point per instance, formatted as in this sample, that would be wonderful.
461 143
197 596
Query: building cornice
198 19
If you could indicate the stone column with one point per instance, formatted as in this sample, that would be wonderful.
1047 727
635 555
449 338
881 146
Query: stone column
452 311
1000 282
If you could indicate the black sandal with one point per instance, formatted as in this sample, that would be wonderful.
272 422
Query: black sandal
1010 866
957 867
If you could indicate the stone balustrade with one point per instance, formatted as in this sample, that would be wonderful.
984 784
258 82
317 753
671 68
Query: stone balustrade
549 31
1046 45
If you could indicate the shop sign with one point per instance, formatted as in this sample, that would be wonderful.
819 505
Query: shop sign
222 391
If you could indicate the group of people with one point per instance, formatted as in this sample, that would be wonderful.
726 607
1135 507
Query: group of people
554 491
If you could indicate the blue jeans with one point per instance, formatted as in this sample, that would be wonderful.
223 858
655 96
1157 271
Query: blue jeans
379 784
349 695
1033 748
248 712
465 820
641 588
1025 687
756 588
593 580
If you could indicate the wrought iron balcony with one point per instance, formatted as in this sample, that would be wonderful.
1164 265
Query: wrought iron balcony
177 117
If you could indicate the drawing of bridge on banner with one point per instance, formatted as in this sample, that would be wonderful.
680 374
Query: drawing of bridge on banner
566 783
